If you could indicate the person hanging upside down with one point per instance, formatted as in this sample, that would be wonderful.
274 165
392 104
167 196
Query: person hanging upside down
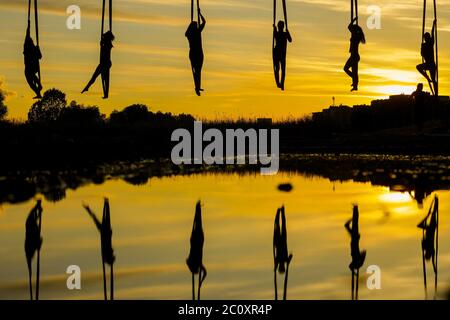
427 52
104 67
32 55
279 53
195 259
282 258
352 227
429 225
194 36
352 62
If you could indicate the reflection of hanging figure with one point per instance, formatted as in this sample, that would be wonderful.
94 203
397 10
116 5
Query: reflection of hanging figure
194 36
195 259
429 52
358 257
279 45
430 241
104 227
281 257
357 37
33 243
32 54
105 64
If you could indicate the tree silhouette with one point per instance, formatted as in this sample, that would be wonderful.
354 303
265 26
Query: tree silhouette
3 108
49 107
78 114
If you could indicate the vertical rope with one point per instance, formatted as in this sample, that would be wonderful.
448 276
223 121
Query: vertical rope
424 17
436 203
36 21
285 14
110 15
29 12
351 10
103 18
356 11
192 10
436 48
38 255
198 12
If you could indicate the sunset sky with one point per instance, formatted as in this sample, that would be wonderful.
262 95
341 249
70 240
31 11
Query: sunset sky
151 66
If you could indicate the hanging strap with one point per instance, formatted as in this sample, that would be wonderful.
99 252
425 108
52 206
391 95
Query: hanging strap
424 18
110 15
354 10
285 14
103 18
198 11
436 48
29 12
36 21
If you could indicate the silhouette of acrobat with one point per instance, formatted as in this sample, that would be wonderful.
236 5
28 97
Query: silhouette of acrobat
358 256
357 37
279 53
195 259
429 63
104 67
194 36
33 243
281 257
32 54
104 227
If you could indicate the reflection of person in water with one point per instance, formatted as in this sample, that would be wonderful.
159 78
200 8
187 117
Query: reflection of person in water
281 256
104 227
195 259
32 55
104 67
279 53
357 37
358 256
194 36
33 241
352 226
429 226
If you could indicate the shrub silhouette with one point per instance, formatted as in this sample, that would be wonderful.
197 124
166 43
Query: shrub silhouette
49 107
3 108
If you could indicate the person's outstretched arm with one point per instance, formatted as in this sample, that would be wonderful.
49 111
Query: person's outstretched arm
289 38
203 22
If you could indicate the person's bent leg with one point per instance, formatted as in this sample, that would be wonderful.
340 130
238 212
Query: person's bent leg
422 68
347 67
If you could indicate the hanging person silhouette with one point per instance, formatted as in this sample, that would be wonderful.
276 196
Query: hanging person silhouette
429 63
195 258
194 36
32 54
357 37
104 67
281 38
